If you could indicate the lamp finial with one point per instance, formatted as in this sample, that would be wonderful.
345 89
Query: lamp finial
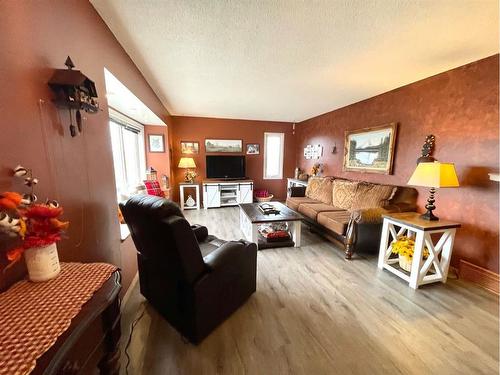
69 63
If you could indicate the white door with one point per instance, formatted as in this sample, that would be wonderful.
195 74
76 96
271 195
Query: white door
245 193
211 195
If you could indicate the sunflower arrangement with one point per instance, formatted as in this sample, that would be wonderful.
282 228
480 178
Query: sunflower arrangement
190 175
25 224
404 246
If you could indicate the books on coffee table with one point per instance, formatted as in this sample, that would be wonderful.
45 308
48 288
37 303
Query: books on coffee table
268 209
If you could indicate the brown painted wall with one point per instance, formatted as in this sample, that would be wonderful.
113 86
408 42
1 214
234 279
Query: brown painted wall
36 37
460 107
199 128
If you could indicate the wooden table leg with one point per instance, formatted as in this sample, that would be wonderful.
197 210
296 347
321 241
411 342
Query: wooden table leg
110 362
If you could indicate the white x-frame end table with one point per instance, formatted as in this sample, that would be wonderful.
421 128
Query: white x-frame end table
193 185
423 271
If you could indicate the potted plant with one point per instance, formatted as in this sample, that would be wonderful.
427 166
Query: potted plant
404 246
33 230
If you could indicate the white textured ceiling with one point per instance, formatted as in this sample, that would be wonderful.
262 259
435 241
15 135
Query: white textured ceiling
290 60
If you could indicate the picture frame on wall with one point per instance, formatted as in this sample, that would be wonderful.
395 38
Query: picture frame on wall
224 145
253 149
371 149
190 147
156 143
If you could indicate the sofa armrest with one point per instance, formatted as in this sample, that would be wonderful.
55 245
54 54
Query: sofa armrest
297 191
369 215
200 232
374 215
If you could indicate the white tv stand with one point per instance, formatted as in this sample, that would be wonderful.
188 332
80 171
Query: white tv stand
223 193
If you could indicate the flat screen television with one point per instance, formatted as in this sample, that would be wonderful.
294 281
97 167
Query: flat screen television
226 167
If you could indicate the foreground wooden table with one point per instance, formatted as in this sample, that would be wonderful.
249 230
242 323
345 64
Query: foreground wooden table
251 216
90 344
410 224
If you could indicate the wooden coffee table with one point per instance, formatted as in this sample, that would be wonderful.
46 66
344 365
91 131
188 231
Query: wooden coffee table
251 216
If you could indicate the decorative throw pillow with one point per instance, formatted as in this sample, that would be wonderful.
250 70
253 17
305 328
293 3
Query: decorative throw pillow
153 188
320 188
343 193
372 195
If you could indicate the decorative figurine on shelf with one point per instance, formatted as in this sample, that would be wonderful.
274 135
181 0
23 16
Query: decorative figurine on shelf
297 173
32 229
74 91
427 150
190 202
317 169
165 182
151 174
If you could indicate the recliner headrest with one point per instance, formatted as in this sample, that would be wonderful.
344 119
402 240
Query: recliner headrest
150 206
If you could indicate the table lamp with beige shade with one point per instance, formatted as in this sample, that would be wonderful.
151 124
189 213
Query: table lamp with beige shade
433 175
188 164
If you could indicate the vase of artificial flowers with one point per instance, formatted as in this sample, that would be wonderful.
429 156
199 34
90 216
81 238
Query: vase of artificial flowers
189 176
42 262
404 246
33 229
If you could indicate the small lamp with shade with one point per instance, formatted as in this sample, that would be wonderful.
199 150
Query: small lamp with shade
188 164
433 175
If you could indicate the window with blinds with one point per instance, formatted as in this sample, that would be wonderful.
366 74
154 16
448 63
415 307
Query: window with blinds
127 141
273 155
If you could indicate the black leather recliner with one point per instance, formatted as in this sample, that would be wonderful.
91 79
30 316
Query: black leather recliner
194 293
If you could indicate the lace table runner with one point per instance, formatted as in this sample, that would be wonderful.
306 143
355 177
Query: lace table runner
34 315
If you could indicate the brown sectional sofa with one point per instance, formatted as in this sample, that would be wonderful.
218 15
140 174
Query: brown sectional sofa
350 211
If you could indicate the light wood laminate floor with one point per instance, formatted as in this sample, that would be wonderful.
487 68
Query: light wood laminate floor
315 313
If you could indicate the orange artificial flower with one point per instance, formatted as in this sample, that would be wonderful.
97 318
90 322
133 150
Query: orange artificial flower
59 225
42 211
10 200
15 254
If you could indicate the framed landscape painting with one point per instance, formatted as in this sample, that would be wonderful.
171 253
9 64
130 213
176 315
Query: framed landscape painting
188 147
223 145
370 149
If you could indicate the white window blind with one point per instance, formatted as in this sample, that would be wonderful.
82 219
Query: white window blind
273 155
127 142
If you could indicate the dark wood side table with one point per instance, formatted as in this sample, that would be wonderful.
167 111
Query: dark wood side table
91 343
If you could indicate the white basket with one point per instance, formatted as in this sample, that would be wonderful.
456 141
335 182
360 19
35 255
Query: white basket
404 263
42 263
